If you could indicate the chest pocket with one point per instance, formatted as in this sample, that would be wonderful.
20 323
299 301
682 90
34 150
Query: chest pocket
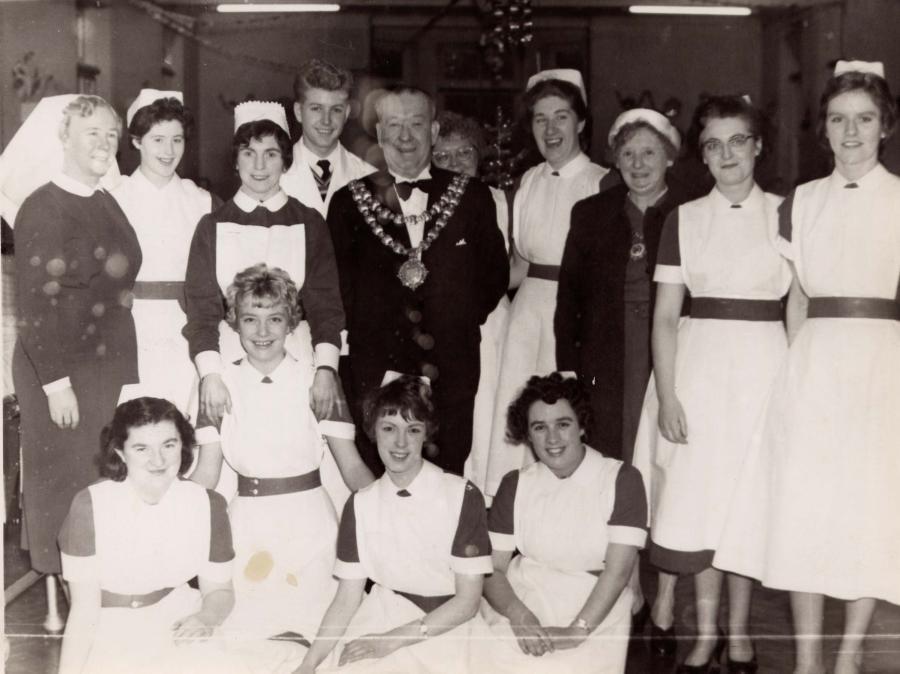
241 246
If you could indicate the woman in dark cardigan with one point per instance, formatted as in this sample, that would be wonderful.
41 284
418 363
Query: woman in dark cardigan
604 303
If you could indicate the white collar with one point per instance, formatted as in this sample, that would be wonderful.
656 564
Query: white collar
307 156
422 483
248 204
424 174
145 181
574 166
871 179
753 199
281 370
69 184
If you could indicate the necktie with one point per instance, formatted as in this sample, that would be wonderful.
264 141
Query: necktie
323 181
735 205
404 189
403 492
851 186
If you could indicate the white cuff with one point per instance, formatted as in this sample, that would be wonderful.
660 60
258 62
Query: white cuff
79 569
345 347
208 362
784 247
342 430
58 385
472 566
349 570
505 542
207 435
216 572
327 355
668 273
627 535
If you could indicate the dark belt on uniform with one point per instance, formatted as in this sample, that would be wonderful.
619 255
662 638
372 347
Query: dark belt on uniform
160 290
115 600
427 604
853 307
273 486
547 272
725 309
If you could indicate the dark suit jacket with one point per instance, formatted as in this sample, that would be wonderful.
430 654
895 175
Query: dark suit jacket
434 329
590 304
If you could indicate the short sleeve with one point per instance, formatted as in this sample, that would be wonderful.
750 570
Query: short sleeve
785 227
221 550
668 260
77 541
501 522
628 522
471 549
347 564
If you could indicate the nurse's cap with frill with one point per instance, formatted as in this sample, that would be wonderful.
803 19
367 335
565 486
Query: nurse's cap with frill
148 97
35 155
655 119
868 67
569 75
254 111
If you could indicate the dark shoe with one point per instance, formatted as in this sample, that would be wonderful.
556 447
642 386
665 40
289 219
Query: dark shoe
741 666
662 642
639 620
711 665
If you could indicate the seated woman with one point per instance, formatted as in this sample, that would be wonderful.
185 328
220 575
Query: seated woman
417 532
284 523
131 543
578 520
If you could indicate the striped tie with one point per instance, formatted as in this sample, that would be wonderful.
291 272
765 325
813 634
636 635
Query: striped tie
323 180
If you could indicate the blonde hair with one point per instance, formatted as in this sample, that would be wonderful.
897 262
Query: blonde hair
84 106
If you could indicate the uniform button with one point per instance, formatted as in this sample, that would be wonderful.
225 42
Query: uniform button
255 481
135 603
254 491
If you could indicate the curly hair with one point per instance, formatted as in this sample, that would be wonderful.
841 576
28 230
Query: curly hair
84 106
626 133
262 282
454 124
723 107
548 389
408 396
319 74
160 110
877 89
258 130
133 414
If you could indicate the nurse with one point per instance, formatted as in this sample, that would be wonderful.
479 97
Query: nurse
557 112
164 210
712 371
420 535
814 511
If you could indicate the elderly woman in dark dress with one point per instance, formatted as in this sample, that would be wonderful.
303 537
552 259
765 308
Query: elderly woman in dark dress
76 260
605 296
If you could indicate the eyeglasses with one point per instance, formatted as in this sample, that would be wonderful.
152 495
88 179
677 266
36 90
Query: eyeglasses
738 141
466 153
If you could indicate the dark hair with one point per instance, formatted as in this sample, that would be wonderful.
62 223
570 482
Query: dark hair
258 130
626 132
454 124
548 389
565 90
160 110
263 282
401 90
319 74
722 107
136 413
408 396
870 83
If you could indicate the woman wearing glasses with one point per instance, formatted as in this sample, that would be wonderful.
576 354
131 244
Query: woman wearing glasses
712 370
460 147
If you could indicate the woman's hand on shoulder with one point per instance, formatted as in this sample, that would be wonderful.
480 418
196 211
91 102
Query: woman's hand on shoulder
672 420
323 393
63 406
215 399
532 637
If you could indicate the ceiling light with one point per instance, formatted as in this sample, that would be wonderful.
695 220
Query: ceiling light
694 10
277 7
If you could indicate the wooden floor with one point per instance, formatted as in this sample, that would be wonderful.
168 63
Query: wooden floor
33 651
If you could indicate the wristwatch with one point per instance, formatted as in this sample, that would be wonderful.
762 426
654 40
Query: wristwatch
423 628
581 624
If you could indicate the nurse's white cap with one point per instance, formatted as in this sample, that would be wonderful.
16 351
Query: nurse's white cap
569 75
871 67
392 376
655 119
253 111
148 97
